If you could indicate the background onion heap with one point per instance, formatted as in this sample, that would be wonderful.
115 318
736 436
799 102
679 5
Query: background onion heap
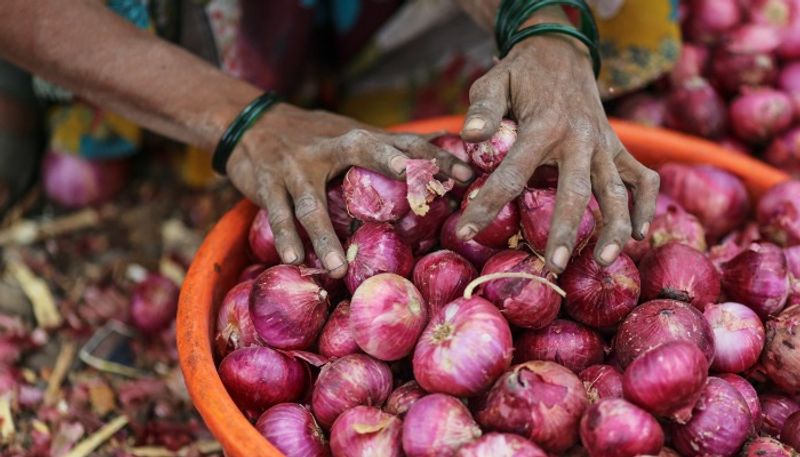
433 346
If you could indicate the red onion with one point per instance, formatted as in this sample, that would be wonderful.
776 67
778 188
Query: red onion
679 272
790 433
757 278
504 226
374 249
667 379
259 377
792 255
636 249
501 444
720 422
334 286
154 303
733 244
695 107
437 425
775 13
734 145
288 308
366 431
753 38
74 182
759 114
602 381
775 409
600 296
539 400
262 240
415 230
372 197
488 154
292 429
441 277
661 321
387 315
565 342
235 328
251 272
789 82
790 38
738 336
352 380
748 392
764 446
464 348
615 428
718 198
732 71
676 225
525 303
779 213
709 18
536 207
403 397
781 359
643 108
343 223
336 339
453 144
471 250
691 63
784 151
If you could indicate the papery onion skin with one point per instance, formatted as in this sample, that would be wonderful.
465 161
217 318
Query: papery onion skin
471 250
366 431
781 356
373 197
524 302
661 321
75 182
235 328
779 213
677 225
775 409
441 277
288 309
540 400
336 340
401 398
602 381
414 230
567 343
504 225
720 422
262 240
154 303
292 429
678 272
375 249
487 155
259 377
695 107
501 445
536 208
343 223
748 392
738 336
790 433
464 348
758 278
437 425
764 446
352 380
387 316
733 244
616 428
667 380
600 296
334 286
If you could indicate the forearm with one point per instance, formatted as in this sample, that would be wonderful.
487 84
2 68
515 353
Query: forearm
483 12
88 49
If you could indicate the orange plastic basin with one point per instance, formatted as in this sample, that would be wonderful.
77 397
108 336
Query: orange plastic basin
222 256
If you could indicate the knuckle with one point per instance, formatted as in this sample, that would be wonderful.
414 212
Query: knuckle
616 190
306 206
356 137
650 179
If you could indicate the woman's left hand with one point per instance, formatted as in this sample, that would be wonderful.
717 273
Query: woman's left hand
547 85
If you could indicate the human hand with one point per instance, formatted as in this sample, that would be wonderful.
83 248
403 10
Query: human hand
547 85
284 161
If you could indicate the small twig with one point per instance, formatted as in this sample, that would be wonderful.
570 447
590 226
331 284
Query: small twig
204 447
30 231
87 446
60 370
37 291
111 329
491 277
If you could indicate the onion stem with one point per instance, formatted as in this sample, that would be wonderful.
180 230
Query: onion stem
502 275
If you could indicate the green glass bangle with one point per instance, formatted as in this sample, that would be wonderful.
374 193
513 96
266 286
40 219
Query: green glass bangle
540 29
246 118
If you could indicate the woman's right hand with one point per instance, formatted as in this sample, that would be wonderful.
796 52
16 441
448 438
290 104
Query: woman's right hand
285 160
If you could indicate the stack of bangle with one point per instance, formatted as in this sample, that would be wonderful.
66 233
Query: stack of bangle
246 118
513 13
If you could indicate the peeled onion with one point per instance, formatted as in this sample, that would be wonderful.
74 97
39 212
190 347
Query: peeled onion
504 225
336 339
441 277
292 429
779 213
488 154
235 328
372 197
616 428
602 381
738 336
374 249
471 250
758 278
536 208
403 397
501 444
565 342
437 425
678 272
366 431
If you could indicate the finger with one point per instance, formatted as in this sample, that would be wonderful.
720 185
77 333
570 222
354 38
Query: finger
272 196
488 98
574 191
310 208
369 150
416 147
612 195
644 184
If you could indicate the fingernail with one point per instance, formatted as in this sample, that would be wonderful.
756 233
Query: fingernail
467 232
475 123
462 172
645 229
289 256
333 261
560 257
609 253
398 164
